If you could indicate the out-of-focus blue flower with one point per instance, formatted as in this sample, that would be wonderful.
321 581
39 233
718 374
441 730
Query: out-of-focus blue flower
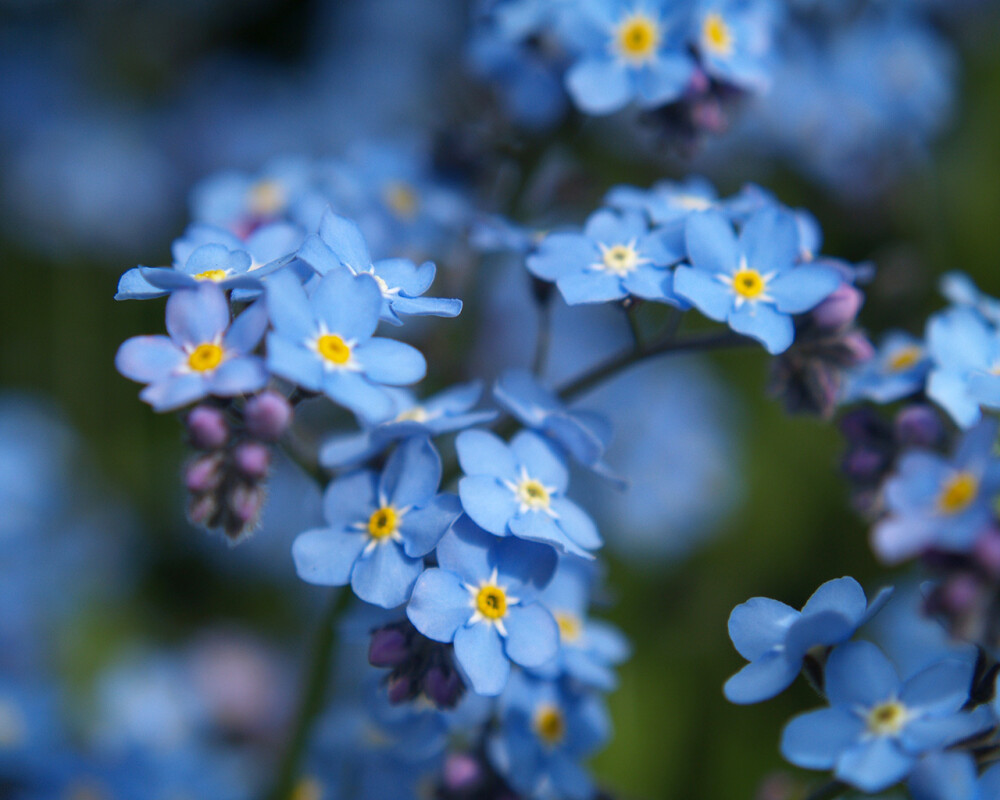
547 730
32 738
588 648
952 775
775 638
380 527
203 355
447 411
229 269
734 41
965 350
753 283
323 342
959 289
940 503
666 201
899 369
585 435
340 244
519 490
482 597
877 726
616 255
628 52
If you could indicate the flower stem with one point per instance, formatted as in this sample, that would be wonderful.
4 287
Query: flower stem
314 695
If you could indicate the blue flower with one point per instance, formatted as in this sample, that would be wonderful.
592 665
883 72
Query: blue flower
734 41
631 51
482 598
752 283
961 291
877 726
775 638
210 262
952 775
965 350
585 435
519 490
324 342
588 648
447 411
341 244
203 355
666 201
899 369
547 730
616 255
380 527
934 502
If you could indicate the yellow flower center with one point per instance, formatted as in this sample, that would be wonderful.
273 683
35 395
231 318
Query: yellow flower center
905 357
415 414
307 788
637 38
549 724
402 199
693 202
205 357
620 259
491 602
214 275
532 494
266 198
333 349
383 523
958 492
748 283
887 719
570 626
716 37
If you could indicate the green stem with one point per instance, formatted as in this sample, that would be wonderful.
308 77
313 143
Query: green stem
313 697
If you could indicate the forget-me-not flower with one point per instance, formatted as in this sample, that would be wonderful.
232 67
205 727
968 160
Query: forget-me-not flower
752 282
380 527
203 355
482 598
965 350
616 255
324 343
952 775
666 201
775 637
518 489
877 726
214 263
899 369
733 39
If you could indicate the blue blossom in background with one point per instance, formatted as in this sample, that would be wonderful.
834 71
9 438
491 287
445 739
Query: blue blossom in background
323 342
547 731
585 435
203 355
380 527
753 283
340 244
629 52
445 412
899 369
959 289
937 502
952 775
965 350
733 39
666 201
616 255
519 490
775 638
482 596
877 726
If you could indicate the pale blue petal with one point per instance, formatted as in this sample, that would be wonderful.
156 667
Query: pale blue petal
599 85
711 243
422 528
664 80
540 460
770 241
412 473
576 523
858 674
843 595
325 556
174 392
386 576
532 635
199 315
484 453
350 499
803 288
237 376
537 526
479 652
148 358
247 329
288 307
294 362
815 740
488 502
709 295
348 304
762 679
562 253
391 362
465 550
590 286
132 286
759 625
941 688
874 766
346 241
769 326
950 390
439 605
353 391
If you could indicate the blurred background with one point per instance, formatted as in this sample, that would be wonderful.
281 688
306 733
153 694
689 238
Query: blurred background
112 110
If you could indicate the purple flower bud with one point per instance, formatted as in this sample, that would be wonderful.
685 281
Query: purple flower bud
202 509
245 503
919 426
203 474
840 308
858 347
699 83
443 687
960 594
987 551
461 772
207 428
400 689
863 464
388 648
252 459
268 416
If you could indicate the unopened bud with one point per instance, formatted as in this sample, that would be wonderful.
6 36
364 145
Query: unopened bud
400 689
201 510
245 503
461 772
203 474
207 428
858 347
443 687
840 308
919 426
388 648
987 552
252 459
268 416
960 594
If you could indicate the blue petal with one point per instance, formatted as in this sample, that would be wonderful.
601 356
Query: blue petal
132 286
422 528
590 286
403 274
815 740
353 391
386 576
348 450
761 321
664 80
247 329
950 390
456 399
759 625
946 776
875 765
412 474
933 733
576 523
488 502
532 635
479 652
391 362
439 605
427 306
465 550
525 567
537 526
484 453
711 243
710 296
346 241
939 689
325 556
857 673
843 595
540 460
238 376
770 241
198 315
174 392
803 288
561 253
820 628
650 283
599 85
762 679
348 304
350 499
288 307
148 358
294 362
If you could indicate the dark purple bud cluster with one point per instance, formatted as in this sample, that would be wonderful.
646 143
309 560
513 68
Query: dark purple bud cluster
226 480
469 776
807 377
967 597
705 110
419 666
